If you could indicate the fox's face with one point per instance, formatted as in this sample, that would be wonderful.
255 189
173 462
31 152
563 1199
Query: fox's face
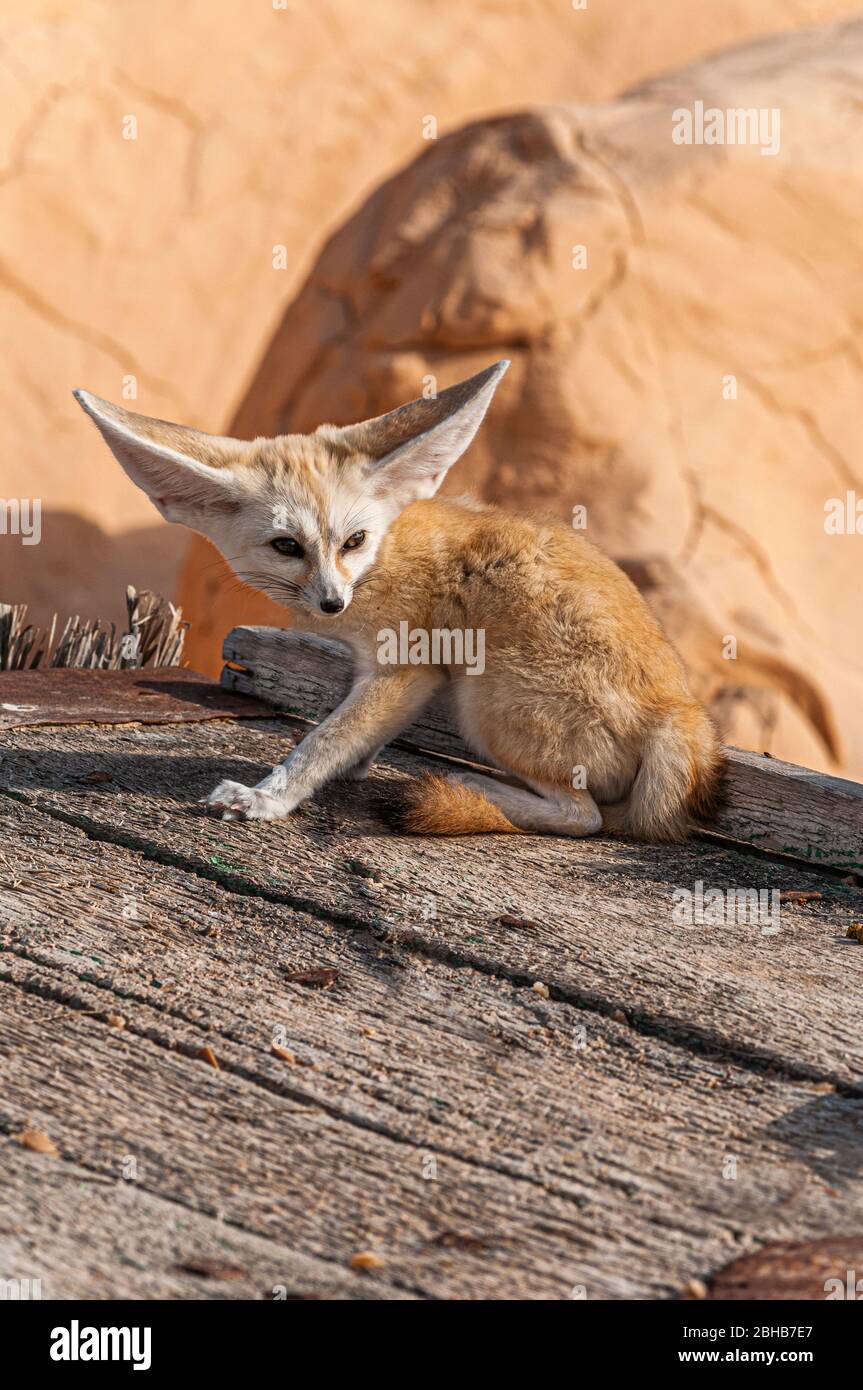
300 517
303 522
315 530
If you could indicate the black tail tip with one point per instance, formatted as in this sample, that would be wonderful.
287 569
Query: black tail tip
390 802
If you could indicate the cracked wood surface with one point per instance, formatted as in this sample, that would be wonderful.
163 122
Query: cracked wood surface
772 805
601 930
166 695
482 1140
87 1234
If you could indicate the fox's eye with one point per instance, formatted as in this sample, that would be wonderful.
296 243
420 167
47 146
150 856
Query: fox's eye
355 541
286 545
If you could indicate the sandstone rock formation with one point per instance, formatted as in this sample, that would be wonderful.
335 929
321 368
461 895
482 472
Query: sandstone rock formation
254 126
684 323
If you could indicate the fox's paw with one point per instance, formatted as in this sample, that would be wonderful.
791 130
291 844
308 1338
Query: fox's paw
233 801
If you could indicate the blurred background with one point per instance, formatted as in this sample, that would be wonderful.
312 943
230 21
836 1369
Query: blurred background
255 217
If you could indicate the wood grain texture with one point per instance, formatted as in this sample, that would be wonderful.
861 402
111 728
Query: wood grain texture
501 1066
96 1235
484 1140
772 805
603 933
150 696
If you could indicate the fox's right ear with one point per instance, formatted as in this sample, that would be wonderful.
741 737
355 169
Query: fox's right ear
186 473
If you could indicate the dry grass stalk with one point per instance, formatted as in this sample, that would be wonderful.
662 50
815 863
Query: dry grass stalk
155 636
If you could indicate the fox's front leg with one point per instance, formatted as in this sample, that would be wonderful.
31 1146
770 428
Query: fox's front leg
378 707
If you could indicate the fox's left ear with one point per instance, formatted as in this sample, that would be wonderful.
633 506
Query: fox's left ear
412 448
186 473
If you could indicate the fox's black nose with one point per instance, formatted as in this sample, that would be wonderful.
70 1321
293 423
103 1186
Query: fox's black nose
332 605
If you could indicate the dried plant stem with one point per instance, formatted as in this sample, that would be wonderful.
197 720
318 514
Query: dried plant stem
155 636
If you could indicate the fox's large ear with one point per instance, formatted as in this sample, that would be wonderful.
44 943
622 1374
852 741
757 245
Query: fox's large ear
412 448
187 474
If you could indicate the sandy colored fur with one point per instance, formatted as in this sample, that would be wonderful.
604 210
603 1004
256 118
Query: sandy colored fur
578 672
432 805
581 697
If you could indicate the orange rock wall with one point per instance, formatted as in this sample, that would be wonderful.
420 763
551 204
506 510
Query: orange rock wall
152 258
695 386
143 268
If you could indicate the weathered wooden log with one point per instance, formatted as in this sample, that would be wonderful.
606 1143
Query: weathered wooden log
514 1063
771 805
154 695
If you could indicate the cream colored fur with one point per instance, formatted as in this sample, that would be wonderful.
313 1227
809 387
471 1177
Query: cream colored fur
582 698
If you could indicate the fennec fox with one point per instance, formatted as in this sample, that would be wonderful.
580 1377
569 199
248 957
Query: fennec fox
582 700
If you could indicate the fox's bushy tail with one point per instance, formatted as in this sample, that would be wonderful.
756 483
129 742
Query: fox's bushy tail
432 805
679 780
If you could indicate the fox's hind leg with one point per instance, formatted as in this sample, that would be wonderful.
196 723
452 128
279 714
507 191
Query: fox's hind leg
544 810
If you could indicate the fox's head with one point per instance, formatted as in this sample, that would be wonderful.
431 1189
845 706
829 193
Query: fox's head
300 516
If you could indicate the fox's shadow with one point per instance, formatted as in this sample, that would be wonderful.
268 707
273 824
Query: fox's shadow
347 809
